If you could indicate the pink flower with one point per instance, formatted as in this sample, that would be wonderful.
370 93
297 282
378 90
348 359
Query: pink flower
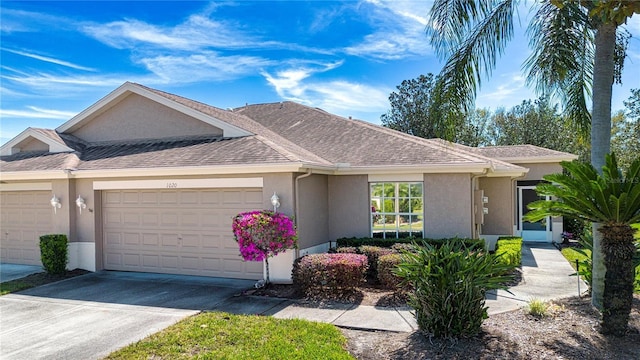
262 233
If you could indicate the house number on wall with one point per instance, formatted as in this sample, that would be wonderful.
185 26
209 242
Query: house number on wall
172 185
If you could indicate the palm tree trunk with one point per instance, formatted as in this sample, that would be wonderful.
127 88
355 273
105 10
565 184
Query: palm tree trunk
618 249
603 70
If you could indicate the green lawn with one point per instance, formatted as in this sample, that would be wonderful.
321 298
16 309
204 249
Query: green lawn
217 335
571 255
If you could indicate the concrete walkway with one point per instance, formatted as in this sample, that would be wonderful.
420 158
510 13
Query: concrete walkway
545 275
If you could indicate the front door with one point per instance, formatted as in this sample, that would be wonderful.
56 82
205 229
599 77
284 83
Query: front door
532 231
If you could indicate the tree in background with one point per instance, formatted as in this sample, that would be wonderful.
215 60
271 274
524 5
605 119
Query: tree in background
536 123
412 109
625 132
578 52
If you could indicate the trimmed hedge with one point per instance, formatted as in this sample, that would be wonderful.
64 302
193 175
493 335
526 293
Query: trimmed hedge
329 274
54 253
373 253
347 250
387 265
509 250
387 243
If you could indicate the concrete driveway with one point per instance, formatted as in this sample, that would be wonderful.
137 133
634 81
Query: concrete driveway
90 316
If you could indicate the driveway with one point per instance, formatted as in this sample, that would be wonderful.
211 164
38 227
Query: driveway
90 316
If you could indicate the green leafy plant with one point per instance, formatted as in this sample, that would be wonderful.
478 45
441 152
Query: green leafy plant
373 253
449 284
54 253
612 200
509 250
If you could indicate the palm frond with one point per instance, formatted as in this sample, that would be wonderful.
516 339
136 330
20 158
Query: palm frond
475 53
562 60
584 194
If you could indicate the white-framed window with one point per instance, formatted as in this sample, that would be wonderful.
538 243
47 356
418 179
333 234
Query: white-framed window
396 209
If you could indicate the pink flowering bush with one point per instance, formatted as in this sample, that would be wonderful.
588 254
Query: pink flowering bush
261 234
329 274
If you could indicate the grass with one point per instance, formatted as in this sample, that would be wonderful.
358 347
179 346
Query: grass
217 335
34 280
537 308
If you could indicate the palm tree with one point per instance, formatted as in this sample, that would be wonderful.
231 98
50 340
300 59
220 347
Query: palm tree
578 51
612 200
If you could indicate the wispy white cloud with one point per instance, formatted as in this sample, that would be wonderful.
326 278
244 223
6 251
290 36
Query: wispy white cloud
510 90
297 84
399 31
203 66
49 60
16 20
35 112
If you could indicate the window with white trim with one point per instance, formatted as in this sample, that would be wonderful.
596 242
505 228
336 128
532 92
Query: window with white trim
396 209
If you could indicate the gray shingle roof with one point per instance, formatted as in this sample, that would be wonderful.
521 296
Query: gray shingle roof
284 133
508 152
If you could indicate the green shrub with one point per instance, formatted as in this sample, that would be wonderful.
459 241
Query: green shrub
373 253
401 247
329 274
509 250
387 266
54 253
387 243
347 250
449 284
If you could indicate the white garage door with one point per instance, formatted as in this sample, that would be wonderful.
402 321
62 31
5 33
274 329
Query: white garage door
25 216
177 231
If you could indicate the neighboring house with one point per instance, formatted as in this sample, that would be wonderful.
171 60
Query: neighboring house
148 181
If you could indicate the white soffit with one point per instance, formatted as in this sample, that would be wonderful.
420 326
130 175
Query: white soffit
396 177
128 88
254 182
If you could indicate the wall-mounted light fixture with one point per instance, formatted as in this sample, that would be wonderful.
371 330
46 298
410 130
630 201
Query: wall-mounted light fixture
81 204
275 201
55 202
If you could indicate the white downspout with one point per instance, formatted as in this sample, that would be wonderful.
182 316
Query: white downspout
297 201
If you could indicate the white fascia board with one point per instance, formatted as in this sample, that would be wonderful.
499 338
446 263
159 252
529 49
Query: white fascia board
33 175
187 171
172 183
539 159
32 186
413 169
127 88
54 146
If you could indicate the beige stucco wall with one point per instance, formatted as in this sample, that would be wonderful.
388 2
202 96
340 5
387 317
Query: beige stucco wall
136 117
32 144
537 171
499 220
348 206
313 211
447 205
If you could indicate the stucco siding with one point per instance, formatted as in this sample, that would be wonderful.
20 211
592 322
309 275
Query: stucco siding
499 220
349 207
313 211
537 171
447 205
32 144
136 117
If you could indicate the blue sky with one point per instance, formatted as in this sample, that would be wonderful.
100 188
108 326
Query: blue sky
57 58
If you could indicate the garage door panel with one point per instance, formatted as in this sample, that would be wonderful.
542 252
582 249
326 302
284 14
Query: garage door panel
180 231
25 216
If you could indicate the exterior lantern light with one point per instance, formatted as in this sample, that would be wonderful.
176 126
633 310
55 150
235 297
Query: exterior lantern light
80 203
55 202
275 201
